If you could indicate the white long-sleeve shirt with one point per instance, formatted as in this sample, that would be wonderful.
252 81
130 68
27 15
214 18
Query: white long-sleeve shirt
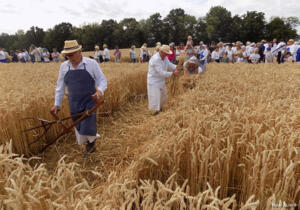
92 68
2 55
158 70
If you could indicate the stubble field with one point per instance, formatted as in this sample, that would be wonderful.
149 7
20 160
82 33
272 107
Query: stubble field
230 142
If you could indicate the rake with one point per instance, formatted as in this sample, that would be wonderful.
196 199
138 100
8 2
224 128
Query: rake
46 125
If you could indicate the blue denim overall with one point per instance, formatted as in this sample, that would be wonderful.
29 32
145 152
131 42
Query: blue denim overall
81 86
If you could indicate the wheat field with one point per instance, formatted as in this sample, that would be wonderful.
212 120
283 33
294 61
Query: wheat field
227 139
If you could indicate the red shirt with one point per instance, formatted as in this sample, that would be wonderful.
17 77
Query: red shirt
171 57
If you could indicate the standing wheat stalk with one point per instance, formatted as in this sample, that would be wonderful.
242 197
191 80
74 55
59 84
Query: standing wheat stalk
174 81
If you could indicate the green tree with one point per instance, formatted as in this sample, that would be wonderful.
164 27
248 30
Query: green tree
253 26
155 29
282 28
236 28
175 25
55 37
128 31
219 22
34 35
200 33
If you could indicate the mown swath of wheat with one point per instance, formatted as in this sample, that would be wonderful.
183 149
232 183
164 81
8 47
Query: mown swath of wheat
231 142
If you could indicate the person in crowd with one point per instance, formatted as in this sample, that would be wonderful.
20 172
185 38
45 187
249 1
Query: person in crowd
106 55
261 50
36 53
7 56
274 43
132 54
230 53
215 56
31 48
26 55
240 57
298 52
203 54
117 55
292 48
254 57
191 66
21 56
97 54
177 54
55 55
288 58
189 41
190 52
281 47
248 44
225 59
172 57
14 56
157 73
80 75
156 50
245 55
221 50
46 55
144 54
269 56
2 56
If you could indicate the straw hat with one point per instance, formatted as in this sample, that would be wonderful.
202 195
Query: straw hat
166 49
97 47
291 40
192 60
158 44
71 46
104 46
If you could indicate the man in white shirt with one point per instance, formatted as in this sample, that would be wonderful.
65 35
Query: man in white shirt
106 55
157 73
80 75
281 47
222 50
2 56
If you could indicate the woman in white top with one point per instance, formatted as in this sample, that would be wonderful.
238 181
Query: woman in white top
46 55
254 57
97 54
55 55
215 56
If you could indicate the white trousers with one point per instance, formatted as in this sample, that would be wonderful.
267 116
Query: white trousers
157 96
81 139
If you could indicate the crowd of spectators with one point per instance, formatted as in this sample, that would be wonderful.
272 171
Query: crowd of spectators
237 52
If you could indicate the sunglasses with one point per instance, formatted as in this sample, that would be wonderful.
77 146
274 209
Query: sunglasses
71 54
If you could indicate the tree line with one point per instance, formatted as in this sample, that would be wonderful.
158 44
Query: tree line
217 25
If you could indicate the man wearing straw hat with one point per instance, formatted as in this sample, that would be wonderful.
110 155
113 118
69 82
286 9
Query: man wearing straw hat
157 73
191 66
80 75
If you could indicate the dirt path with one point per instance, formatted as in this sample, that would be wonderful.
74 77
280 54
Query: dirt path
113 148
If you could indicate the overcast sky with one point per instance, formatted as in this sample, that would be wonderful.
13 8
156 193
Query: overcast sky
22 14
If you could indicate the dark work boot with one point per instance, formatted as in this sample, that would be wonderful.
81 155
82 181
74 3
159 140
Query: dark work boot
90 148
